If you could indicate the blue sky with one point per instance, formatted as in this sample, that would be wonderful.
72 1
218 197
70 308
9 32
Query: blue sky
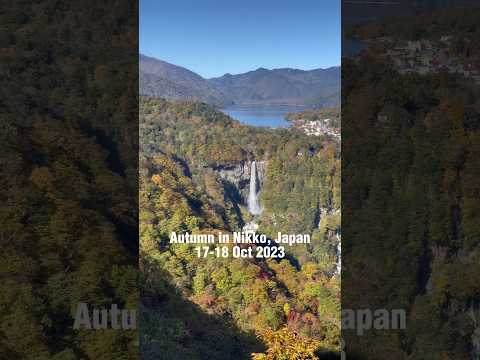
214 37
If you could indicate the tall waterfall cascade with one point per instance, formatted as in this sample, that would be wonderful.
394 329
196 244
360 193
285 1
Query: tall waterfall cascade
338 262
253 205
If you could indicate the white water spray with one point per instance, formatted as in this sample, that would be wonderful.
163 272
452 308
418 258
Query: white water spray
338 262
253 206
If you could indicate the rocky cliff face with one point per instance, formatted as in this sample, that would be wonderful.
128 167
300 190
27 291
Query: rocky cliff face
474 315
236 178
468 310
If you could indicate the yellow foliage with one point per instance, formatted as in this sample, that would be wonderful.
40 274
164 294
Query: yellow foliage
42 177
285 344
157 179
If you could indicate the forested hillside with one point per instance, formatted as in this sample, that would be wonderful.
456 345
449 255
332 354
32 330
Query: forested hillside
161 79
68 175
411 167
282 86
185 149
318 87
317 115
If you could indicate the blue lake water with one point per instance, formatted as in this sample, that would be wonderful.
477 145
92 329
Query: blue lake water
268 116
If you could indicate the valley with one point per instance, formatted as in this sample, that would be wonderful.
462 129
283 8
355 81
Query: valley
203 172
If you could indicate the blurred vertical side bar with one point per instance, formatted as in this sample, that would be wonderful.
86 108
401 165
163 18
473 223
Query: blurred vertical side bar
68 177
410 170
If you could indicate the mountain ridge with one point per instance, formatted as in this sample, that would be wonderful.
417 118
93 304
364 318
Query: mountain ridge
162 79
279 86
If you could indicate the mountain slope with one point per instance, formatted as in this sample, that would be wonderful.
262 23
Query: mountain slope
286 86
161 79
319 87
245 295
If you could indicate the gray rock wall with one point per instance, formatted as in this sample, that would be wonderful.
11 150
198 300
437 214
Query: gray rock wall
238 175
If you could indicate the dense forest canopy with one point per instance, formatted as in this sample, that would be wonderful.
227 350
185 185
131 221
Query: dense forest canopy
184 148
68 175
410 191
318 114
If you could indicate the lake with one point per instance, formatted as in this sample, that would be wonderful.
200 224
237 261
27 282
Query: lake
268 116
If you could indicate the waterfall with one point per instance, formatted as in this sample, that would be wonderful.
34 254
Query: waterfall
253 206
338 262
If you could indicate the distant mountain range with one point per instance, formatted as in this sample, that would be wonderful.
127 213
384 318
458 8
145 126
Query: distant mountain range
161 79
319 87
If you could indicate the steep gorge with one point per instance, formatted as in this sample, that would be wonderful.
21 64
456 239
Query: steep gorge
203 162
297 179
